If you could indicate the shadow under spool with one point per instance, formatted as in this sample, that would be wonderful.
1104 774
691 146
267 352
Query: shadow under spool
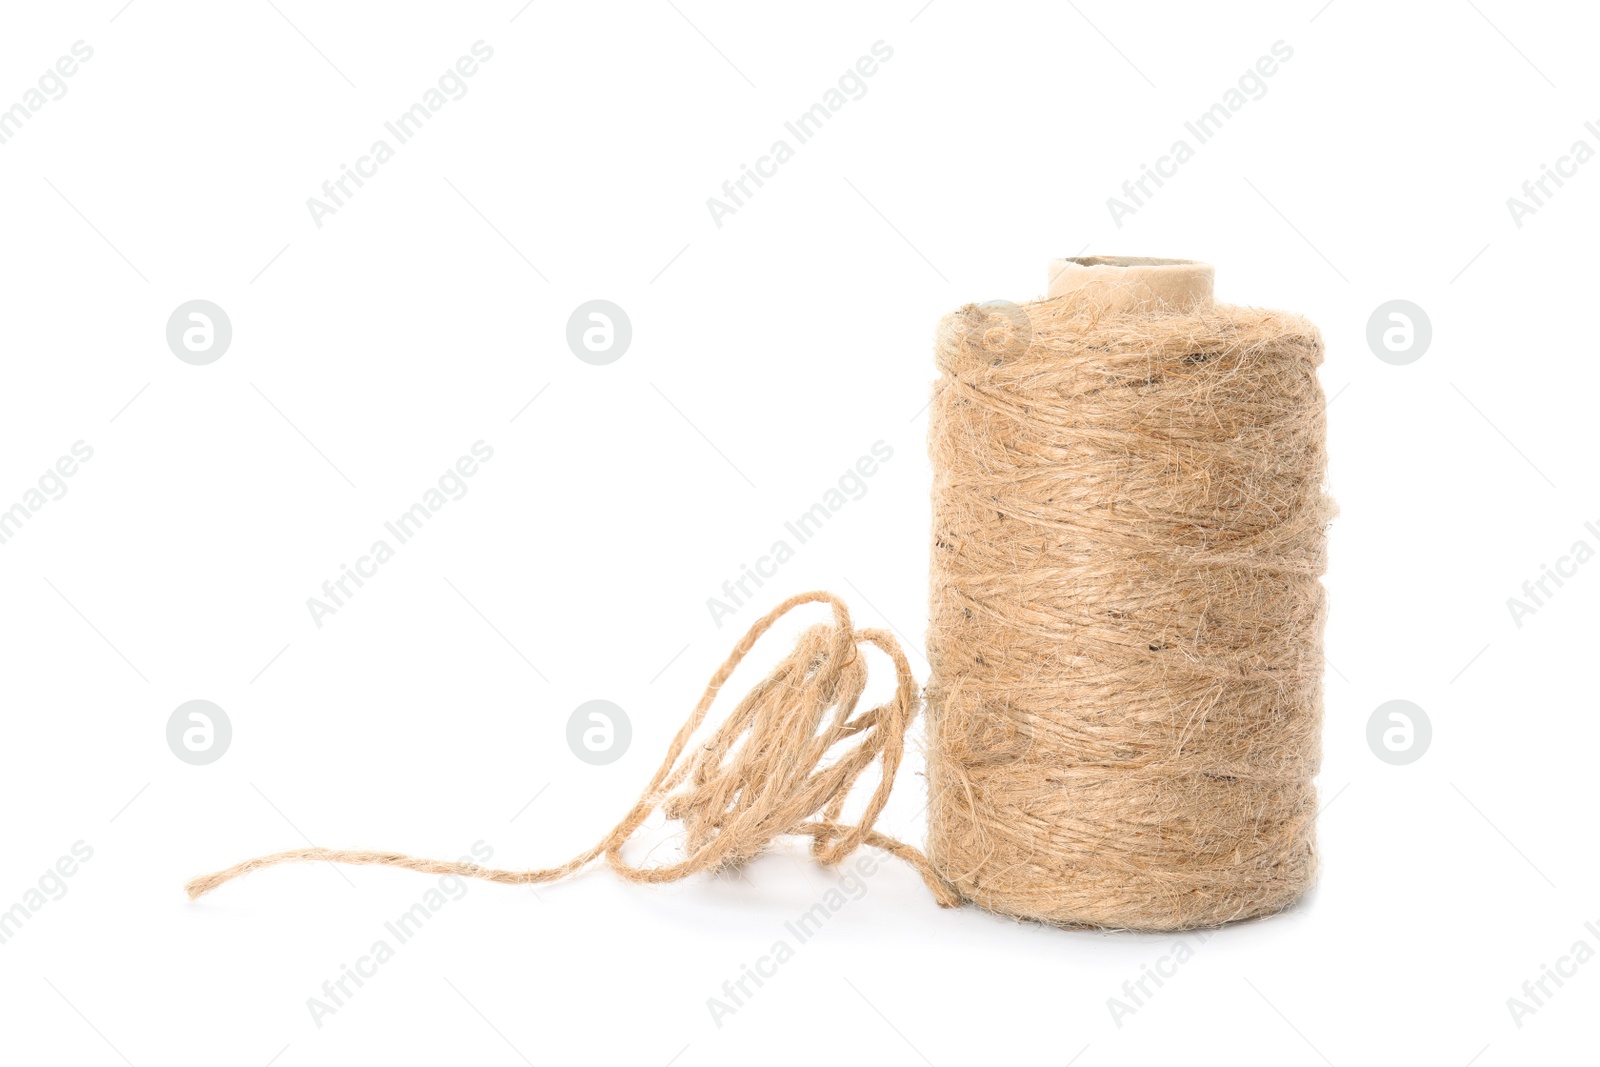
1126 610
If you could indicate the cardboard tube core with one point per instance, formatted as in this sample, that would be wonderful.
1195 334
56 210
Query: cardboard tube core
1133 283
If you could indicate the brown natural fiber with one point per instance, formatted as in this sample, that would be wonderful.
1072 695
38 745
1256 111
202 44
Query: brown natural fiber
1126 625
1126 632
736 796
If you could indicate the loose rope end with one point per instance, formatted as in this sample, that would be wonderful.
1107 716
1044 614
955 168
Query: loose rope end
199 887
759 776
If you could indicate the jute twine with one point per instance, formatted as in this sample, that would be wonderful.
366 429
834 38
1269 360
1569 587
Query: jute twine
763 773
1125 703
1126 613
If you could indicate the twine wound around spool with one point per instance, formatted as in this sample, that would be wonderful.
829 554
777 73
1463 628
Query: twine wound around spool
1125 632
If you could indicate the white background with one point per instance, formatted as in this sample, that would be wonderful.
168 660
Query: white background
767 355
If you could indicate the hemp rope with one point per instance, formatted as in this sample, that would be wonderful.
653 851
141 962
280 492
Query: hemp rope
735 802
1126 615
1125 633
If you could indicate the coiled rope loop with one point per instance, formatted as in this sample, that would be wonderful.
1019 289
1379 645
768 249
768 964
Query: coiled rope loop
759 776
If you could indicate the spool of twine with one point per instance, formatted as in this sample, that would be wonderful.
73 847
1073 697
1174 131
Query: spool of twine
1126 618
1124 710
